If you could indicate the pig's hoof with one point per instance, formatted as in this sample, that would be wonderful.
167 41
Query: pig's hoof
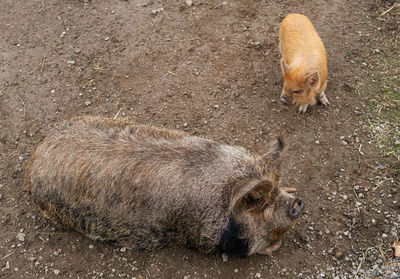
272 248
289 189
303 108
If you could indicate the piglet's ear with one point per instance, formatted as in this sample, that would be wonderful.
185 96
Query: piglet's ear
312 79
285 68
253 195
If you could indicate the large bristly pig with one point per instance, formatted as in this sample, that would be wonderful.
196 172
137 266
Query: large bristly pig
147 188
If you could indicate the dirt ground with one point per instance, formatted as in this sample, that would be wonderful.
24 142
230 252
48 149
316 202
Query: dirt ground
212 69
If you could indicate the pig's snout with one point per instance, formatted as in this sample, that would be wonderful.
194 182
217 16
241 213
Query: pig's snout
287 100
296 208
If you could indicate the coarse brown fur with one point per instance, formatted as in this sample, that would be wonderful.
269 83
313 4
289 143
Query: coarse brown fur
304 64
148 188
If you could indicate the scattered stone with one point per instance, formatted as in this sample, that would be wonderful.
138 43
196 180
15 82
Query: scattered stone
91 246
21 237
71 62
225 257
337 252
381 167
189 3
156 11
88 103
258 275
123 249
56 271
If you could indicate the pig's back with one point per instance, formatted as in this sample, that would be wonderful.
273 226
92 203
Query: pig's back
118 181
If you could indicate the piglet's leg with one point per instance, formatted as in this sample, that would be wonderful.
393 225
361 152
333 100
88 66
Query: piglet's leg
303 108
323 99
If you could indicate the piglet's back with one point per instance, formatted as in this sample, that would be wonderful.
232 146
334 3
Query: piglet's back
300 42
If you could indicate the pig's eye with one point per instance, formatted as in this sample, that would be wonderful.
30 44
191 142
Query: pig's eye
297 91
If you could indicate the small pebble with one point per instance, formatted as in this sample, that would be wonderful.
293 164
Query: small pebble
56 271
91 246
21 237
154 12
337 252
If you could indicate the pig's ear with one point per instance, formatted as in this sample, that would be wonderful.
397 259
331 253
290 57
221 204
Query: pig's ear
312 79
275 150
252 196
285 68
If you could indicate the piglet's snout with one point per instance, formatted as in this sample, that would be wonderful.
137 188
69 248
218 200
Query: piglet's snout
286 100
296 208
